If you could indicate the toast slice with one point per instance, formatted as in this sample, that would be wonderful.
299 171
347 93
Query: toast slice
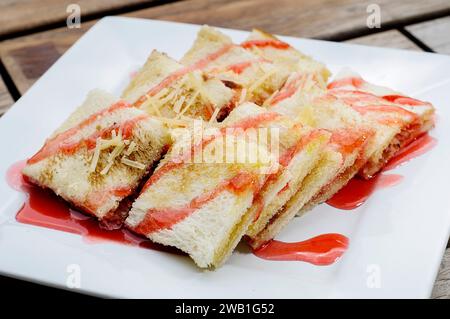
298 148
351 142
284 56
99 155
165 88
253 78
210 211
397 118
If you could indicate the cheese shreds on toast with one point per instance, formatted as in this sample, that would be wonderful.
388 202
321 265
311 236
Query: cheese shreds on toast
165 88
252 77
88 160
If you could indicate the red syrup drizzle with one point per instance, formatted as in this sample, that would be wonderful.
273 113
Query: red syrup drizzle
321 250
44 209
418 147
357 191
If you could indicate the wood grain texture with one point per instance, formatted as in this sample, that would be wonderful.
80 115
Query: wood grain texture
5 98
434 33
307 18
19 15
27 58
442 286
388 39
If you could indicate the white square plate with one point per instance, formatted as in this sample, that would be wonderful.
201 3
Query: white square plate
398 236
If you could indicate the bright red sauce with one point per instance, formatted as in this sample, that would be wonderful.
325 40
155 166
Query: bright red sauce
277 44
358 190
364 103
347 140
91 141
285 188
159 219
385 109
351 81
321 250
404 100
238 68
416 148
59 142
360 96
44 209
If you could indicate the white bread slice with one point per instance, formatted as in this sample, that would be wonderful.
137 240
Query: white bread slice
269 47
99 155
324 174
324 171
299 149
209 212
350 145
163 87
397 119
253 78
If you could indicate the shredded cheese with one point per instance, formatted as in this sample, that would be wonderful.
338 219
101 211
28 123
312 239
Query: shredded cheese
198 83
174 122
131 163
270 98
243 96
131 148
112 156
189 103
178 104
214 115
149 104
119 144
261 80
96 156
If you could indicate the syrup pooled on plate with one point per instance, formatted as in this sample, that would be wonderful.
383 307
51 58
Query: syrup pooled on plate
43 208
418 147
321 250
357 191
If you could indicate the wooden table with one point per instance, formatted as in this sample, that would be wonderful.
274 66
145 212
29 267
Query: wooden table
33 35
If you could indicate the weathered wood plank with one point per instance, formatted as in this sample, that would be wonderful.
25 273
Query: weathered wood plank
19 15
434 33
27 58
389 39
5 98
309 18
442 286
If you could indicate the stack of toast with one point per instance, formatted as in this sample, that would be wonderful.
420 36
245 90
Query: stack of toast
231 142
